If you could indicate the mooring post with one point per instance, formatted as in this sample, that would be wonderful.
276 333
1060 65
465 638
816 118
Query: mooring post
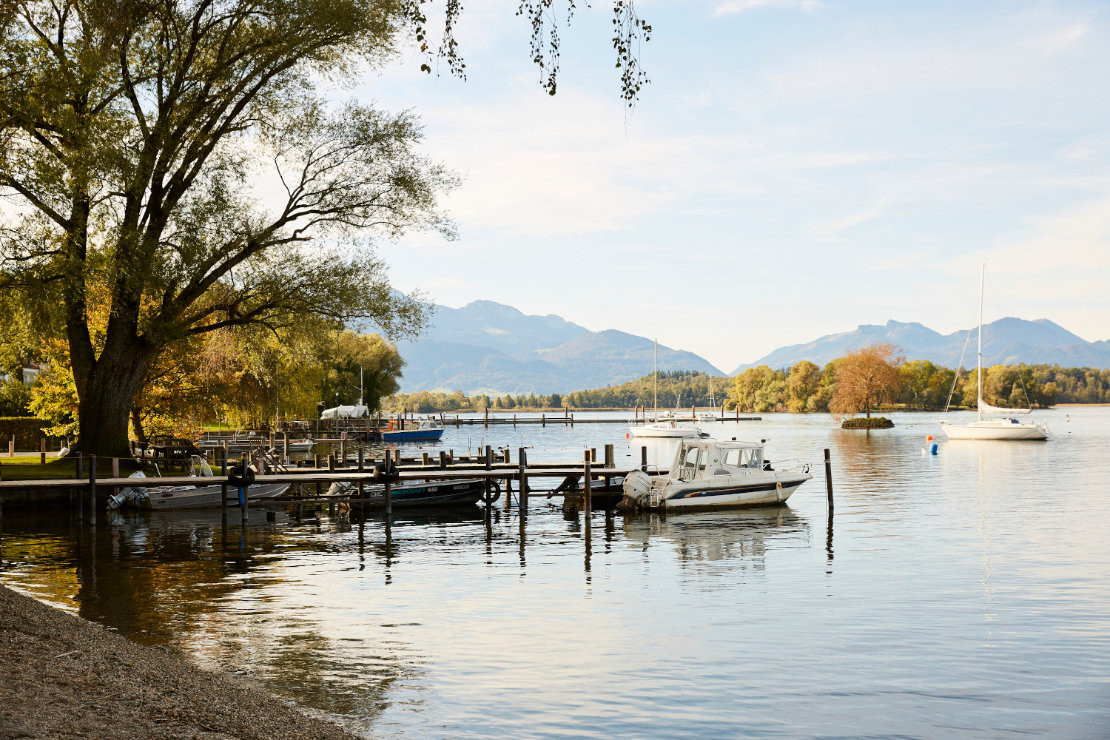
331 461
223 501
361 459
92 490
450 457
643 458
485 418
505 456
80 466
587 490
489 467
11 446
442 459
593 454
828 479
224 461
425 459
522 496
285 447
342 449
610 457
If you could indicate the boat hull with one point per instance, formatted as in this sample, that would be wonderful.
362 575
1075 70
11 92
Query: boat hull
412 435
665 431
734 494
995 430
207 497
412 495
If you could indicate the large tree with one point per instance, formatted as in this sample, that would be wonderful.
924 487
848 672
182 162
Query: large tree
865 378
136 138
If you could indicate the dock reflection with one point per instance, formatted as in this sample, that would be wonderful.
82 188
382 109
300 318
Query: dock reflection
741 534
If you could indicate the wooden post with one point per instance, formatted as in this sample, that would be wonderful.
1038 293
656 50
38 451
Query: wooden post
331 461
285 447
506 456
42 450
593 454
80 466
450 457
223 500
828 479
489 466
587 490
115 467
11 446
485 419
442 459
342 449
514 420
425 459
543 420
92 488
361 459
737 412
693 413
225 458
643 459
522 463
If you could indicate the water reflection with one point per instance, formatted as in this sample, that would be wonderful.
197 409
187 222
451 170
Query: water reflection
743 534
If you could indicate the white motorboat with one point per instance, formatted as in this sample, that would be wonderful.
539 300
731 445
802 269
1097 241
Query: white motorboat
160 498
1002 424
668 429
666 426
711 474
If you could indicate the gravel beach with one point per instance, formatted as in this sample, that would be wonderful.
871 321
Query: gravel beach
61 676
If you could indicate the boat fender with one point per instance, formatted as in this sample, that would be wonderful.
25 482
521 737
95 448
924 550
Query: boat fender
240 475
378 472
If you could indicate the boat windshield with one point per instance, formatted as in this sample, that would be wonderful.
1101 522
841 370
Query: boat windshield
693 459
750 457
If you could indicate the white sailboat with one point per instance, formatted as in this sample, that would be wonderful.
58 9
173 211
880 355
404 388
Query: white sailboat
1001 423
669 428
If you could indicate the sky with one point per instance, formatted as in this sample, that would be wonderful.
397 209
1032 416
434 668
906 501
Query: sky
795 168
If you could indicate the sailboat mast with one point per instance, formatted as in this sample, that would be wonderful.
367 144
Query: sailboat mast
655 380
979 360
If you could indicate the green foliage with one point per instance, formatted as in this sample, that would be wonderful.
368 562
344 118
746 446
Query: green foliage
15 398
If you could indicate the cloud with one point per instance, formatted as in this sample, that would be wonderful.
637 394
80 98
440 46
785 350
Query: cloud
1063 39
732 7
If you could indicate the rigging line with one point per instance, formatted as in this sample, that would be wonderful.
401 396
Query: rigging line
956 377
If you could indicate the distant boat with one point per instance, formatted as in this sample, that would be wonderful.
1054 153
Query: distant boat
707 474
1003 425
711 414
669 427
425 430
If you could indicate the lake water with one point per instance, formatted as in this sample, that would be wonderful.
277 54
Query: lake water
965 594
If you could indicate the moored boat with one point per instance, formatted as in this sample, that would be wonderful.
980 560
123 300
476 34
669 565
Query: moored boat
424 430
1003 425
711 474
466 492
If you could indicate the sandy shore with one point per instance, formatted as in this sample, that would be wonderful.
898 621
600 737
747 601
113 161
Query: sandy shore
61 676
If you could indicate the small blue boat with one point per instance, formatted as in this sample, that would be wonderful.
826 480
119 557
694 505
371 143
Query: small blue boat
426 430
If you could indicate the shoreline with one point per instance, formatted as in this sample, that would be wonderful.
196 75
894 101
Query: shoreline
63 676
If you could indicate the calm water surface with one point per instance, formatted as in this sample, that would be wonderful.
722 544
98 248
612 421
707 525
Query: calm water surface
966 594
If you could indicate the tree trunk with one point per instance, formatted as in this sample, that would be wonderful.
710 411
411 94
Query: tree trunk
137 423
105 404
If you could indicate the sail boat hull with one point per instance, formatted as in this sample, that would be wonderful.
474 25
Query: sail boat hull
1004 429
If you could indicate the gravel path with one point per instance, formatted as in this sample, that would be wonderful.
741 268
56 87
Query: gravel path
61 677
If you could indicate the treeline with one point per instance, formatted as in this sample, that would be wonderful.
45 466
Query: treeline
806 387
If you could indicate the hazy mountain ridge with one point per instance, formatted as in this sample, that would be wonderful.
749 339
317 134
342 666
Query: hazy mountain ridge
1007 341
487 347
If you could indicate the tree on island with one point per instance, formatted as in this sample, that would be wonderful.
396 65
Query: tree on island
866 378
133 137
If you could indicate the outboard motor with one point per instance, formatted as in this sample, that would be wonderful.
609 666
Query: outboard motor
636 485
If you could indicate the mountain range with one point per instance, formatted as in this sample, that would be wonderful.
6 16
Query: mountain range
488 347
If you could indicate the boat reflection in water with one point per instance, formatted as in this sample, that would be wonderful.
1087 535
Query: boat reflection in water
709 536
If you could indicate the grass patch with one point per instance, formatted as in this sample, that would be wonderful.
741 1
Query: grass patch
29 468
